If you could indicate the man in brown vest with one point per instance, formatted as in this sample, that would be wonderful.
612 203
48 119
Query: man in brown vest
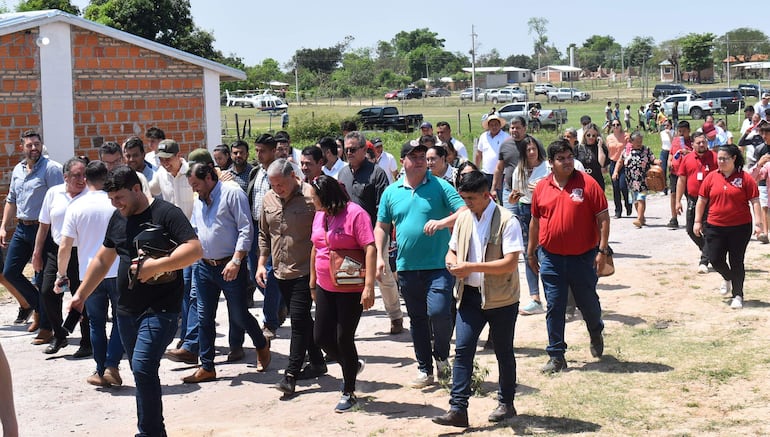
483 256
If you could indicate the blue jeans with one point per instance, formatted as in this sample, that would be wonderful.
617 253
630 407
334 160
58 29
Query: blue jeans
145 338
429 301
209 282
470 321
507 205
664 165
106 353
18 255
523 211
271 303
620 189
559 274
296 293
190 324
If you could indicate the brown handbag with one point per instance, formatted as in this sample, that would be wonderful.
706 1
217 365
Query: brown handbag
609 266
656 178
347 267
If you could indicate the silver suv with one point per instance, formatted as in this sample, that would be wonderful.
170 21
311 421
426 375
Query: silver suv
506 95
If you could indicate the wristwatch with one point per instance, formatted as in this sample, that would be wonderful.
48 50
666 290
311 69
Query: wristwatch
236 261
605 251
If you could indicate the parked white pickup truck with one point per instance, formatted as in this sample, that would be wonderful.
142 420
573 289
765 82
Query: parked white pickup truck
545 117
691 104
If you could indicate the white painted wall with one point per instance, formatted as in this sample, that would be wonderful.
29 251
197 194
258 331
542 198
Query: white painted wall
212 112
57 115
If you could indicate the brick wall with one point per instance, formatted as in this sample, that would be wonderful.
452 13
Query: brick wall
19 97
121 90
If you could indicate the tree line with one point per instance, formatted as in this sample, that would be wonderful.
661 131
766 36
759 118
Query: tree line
409 56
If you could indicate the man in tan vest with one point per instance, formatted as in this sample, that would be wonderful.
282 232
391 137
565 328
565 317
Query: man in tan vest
483 256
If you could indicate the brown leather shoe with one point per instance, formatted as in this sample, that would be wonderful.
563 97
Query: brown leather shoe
112 376
44 336
35 322
263 357
181 356
200 375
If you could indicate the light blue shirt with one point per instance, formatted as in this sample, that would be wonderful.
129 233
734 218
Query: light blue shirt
224 227
27 189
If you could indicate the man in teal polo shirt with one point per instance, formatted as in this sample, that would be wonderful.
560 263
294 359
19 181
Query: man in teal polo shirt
423 208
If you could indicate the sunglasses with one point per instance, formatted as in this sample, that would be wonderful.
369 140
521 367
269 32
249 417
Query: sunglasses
351 150
591 135
615 125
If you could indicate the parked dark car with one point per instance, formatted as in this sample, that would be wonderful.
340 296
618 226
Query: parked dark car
662 90
439 92
388 118
731 99
409 93
750 90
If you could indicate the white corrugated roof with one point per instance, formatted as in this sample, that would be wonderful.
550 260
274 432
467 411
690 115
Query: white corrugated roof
493 69
559 68
20 21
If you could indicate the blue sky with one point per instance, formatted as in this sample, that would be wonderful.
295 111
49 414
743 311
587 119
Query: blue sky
259 29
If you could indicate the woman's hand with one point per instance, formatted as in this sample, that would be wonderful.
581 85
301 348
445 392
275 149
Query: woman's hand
367 297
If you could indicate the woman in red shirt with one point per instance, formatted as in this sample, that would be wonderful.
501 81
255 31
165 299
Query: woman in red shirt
728 193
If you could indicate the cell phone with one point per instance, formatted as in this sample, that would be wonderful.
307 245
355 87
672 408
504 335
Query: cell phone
73 317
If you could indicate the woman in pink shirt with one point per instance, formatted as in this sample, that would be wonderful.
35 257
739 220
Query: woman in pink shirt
616 143
340 224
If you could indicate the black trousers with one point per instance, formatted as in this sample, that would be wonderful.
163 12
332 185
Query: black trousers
296 294
53 301
336 319
728 243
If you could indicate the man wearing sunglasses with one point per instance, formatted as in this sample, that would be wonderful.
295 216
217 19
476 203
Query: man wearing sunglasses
365 182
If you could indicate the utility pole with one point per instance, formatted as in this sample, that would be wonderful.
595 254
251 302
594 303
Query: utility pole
728 60
473 61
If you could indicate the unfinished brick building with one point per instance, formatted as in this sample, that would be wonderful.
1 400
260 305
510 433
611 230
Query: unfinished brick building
81 83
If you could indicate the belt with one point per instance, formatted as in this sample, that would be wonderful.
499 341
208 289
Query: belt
216 262
28 222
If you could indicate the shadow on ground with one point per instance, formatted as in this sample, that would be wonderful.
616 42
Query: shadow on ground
610 364
528 424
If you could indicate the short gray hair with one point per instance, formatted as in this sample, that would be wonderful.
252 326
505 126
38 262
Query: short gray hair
571 131
280 167
636 134
358 135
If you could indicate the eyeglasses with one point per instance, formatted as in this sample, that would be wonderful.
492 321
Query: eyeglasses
351 150
591 135
723 159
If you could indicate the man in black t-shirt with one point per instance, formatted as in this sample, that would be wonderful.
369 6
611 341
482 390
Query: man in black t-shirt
148 312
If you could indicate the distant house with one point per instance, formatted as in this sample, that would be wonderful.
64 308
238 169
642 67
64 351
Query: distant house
80 84
757 66
667 73
498 77
557 73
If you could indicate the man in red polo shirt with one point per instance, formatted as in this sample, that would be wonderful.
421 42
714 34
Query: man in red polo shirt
681 145
569 231
692 170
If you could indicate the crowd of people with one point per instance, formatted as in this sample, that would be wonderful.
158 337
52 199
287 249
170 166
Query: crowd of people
149 239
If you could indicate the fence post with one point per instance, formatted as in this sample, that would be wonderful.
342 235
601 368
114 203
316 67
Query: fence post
237 127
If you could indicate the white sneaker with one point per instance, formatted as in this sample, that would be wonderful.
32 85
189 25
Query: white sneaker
703 268
726 287
423 380
737 303
443 368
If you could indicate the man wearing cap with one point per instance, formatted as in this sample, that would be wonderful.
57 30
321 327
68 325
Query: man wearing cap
426 129
709 130
422 207
385 160
444 134
170 183
762 105
487 152
365 182
241 169
30 180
